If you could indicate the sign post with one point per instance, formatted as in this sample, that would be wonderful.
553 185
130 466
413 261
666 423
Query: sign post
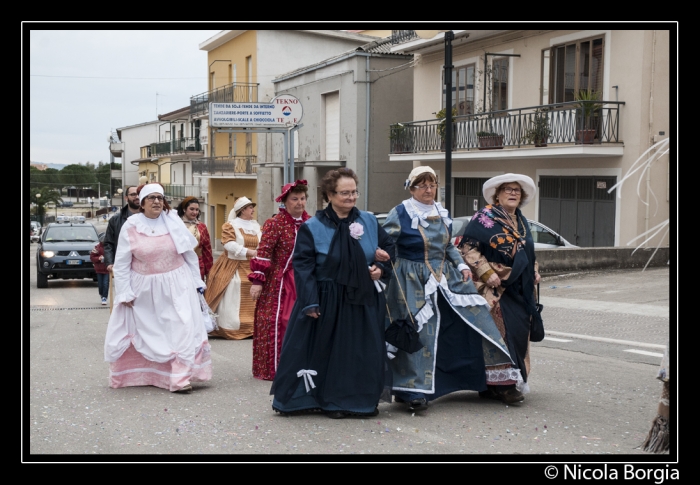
280 115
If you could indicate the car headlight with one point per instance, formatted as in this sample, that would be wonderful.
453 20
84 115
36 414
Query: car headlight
47 254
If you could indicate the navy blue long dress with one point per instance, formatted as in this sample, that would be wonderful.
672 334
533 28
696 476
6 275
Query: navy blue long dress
337 362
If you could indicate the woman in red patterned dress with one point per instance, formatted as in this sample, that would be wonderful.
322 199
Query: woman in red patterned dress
188 211
273 279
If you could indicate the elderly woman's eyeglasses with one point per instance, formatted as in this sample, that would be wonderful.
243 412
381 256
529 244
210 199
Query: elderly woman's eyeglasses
347 193
511 190
426 186
153 198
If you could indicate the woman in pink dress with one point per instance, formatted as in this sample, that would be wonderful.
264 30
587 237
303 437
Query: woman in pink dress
273 279
156 334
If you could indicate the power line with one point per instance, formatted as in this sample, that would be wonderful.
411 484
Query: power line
113 77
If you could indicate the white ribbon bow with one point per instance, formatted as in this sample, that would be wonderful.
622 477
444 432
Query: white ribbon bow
308 381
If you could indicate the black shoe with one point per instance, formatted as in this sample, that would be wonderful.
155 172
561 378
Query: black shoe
420 404
347 414
512 396
508 396
336 414
489 394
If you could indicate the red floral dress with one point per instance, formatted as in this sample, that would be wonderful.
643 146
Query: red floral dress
272 268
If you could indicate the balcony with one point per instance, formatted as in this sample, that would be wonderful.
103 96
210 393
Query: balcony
179 191
231 93
509 130
225 165
178 145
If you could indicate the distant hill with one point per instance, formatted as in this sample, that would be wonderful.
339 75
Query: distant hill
57 166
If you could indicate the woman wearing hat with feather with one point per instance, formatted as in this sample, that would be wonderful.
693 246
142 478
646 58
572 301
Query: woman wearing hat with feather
432 287
273 289
498 247
228 288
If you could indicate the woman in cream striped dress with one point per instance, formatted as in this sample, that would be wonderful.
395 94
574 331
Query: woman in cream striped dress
228 287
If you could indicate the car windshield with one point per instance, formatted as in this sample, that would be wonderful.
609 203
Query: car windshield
457 226
85 234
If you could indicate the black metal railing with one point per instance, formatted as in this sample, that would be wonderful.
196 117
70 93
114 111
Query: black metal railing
401 36
181 190
231 93
227 164
177 145
564 123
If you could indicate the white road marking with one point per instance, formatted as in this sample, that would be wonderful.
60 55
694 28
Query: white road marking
557 339
606 306
644 352
608 340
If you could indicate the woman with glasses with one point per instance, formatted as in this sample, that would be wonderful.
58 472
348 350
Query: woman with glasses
333 356
156 334
228 291
273 278
432 287
188 210
498 247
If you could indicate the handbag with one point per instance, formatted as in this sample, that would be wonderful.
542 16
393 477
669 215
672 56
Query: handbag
401 333
208 315
536 323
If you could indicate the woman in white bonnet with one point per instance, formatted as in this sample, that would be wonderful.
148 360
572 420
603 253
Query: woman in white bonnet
156 335
228 288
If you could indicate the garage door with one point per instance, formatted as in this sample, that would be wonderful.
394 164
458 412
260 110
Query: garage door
579 208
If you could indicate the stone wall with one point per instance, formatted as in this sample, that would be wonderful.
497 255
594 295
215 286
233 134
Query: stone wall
554 261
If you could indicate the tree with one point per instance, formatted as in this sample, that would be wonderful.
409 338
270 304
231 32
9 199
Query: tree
48 196
78 176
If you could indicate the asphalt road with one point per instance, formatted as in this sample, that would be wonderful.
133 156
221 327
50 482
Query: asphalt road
594 392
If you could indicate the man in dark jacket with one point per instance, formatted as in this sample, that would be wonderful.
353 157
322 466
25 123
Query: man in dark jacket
114 226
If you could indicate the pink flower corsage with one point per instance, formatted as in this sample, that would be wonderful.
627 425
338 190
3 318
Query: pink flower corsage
356 230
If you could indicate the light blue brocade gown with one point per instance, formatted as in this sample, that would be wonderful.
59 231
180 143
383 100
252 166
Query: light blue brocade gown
459 335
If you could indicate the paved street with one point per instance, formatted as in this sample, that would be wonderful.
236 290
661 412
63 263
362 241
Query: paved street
593 385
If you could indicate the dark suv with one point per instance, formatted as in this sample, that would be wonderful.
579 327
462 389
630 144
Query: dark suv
64 253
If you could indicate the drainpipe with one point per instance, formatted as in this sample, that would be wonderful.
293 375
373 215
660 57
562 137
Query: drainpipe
367 107
651 121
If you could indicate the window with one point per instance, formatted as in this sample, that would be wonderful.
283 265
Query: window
499 80
462 89
330 148
544 92
574 66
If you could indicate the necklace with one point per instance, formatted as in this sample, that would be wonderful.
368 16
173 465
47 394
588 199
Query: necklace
152 226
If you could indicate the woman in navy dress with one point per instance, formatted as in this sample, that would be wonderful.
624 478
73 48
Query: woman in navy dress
333 356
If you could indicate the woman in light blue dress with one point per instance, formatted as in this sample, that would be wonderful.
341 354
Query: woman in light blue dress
460 339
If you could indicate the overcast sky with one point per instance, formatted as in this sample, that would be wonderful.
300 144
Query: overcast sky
85 83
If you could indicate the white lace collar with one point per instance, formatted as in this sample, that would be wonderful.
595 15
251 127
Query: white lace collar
418 212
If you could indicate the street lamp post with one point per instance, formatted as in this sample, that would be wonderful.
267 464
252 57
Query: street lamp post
92 202
38 209
121 192
449 37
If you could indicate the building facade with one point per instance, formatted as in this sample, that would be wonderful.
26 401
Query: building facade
573 109
241 67
349 102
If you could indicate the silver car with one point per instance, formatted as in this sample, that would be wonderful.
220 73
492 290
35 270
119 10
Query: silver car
544 237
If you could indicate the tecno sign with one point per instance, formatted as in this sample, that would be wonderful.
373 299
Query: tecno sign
283 110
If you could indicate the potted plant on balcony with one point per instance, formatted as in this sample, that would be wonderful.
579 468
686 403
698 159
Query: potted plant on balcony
587 115
538 131
441 126
489 140
400 136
